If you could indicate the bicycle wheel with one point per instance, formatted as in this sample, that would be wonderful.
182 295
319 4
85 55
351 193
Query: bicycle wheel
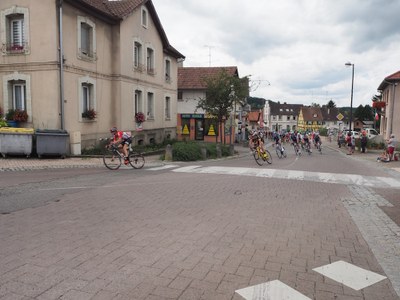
257 158
136 160
111 160
279 152
267 157
284 152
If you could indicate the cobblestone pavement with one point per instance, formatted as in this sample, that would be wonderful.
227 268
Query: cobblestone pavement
217 235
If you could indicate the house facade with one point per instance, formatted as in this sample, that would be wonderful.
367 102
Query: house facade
114 59
194 123
310 119
281 117
390 110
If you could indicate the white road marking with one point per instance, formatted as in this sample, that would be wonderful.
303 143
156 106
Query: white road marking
350 275
272 290
163 168
336 178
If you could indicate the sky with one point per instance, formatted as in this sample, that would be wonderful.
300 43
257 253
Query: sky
293 50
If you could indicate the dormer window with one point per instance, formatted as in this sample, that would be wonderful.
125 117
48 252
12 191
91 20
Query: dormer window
315 115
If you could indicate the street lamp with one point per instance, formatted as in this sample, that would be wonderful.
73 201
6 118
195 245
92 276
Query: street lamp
349 64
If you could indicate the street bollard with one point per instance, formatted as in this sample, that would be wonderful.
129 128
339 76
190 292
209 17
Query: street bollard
168 153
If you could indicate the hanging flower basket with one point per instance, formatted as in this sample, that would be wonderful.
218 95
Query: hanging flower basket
378 104
139 117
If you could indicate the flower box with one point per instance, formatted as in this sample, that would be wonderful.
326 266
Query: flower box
378 104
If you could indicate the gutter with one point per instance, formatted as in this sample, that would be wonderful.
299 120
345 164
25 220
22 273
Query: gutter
61 60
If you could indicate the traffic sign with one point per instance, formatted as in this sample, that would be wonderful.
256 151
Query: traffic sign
340 117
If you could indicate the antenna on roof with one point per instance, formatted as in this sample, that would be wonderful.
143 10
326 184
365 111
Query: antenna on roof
209 54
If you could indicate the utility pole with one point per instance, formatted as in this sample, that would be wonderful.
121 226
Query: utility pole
209 54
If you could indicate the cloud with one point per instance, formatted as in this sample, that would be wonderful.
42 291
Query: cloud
298 46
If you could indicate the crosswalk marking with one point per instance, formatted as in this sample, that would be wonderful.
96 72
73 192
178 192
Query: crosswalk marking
165 167
337 178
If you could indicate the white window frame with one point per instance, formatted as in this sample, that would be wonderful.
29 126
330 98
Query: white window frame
144 17
138 101
150 60
22 88
6 36
88 85
138 55
8 90
91 54
150 105
167 107
167 69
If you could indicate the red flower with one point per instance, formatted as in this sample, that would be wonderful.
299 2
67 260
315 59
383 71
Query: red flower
139 117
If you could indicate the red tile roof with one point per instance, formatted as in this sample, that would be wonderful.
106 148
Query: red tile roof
389 79
254 116
192 78
312 114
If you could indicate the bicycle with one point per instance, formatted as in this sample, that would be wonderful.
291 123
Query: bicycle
308 148
262 155
280 151
113 158
319 147
297 149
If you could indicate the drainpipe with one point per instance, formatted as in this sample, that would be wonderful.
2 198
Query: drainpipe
391 113
61 59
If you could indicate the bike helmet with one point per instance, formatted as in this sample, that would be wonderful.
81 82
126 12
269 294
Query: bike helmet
113 129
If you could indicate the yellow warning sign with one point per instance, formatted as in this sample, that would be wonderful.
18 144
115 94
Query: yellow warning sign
185 129
211 131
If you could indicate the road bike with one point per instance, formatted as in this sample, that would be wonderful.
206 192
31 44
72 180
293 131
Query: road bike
297 149
280 150
113 158
319 147
262 155
307 148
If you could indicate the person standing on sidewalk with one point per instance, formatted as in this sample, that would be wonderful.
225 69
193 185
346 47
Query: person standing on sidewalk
349 145
363 141
391 145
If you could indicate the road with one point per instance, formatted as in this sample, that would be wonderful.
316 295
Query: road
203 230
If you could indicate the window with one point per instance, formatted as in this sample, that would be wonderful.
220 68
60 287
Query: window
144 17
137 56
167 108
287 118
87 96
150 106
86 39
17 93
15 32
150 61
180 96
138 101
167 70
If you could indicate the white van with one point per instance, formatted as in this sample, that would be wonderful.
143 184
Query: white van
371 132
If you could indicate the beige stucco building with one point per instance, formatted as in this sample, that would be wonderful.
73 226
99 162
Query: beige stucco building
390 113
116 60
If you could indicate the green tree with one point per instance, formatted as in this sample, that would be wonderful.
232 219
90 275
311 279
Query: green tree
315 104
223 91
331 104
256 103
364 113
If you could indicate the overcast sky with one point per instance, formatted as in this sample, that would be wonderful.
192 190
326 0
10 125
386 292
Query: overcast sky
300 47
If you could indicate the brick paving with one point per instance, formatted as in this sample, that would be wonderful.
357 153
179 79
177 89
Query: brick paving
217 235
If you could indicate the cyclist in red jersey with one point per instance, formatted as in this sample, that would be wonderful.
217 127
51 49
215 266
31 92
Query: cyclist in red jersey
122 140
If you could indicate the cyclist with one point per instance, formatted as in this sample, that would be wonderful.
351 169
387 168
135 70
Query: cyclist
317 140
294 140
256 141
277 140
122 140
306 140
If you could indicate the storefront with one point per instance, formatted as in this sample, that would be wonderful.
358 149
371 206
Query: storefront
200 128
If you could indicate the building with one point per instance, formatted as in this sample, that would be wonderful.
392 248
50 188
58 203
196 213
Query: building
330 117
390 108
63 60
310 118
281 117
193 123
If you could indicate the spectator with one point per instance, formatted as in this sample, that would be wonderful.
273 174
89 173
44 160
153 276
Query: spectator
363 141
391 145
349 145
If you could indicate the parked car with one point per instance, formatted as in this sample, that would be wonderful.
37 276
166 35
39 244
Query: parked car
371 132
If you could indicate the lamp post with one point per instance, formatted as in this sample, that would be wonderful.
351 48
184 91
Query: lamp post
349 64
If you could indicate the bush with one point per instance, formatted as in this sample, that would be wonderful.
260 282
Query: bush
190 151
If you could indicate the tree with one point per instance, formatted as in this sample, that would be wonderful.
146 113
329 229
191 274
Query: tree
364 113
223 91
256 103
331 104
315 104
